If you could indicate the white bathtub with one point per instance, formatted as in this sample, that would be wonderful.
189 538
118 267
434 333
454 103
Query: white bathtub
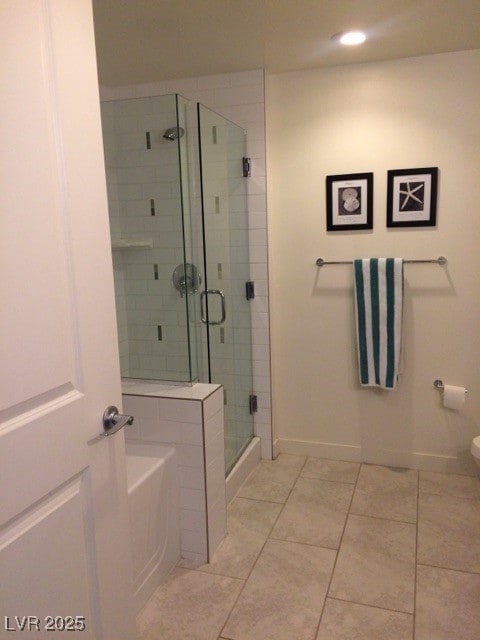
154 516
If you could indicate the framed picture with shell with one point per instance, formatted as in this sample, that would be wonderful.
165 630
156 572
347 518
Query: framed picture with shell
349 202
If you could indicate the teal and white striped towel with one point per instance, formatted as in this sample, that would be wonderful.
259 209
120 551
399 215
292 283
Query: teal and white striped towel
379 304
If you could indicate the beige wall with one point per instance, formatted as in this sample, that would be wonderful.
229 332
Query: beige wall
416 112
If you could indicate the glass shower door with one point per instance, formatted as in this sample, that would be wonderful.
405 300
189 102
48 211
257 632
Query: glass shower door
225 308
149 144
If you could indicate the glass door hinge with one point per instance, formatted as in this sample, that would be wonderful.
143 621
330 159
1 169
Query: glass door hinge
250 290
253 404
247 170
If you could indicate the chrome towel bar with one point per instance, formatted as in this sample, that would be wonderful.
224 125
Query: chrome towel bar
441 260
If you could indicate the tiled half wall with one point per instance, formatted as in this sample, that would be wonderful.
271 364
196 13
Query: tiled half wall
191 419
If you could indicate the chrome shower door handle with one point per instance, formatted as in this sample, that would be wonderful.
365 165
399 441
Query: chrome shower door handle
223 306
203 315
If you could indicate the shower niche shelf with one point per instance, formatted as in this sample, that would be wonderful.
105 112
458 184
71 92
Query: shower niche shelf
132 243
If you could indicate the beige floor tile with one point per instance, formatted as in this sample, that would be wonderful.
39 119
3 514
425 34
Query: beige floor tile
272 480
349 621
376 564
449 484
372 590
191 604
314 513
386 492
333 470
449 532
448 605
284 595
248 522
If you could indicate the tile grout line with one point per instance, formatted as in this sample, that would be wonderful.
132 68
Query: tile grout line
370 606
438 566
350 484
367 515
267 538
259 500
237 497
337 552
305 544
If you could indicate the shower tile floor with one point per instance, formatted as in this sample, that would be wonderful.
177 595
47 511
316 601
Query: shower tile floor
326 550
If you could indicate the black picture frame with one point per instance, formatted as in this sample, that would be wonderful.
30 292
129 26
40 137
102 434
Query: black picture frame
412 197
349 202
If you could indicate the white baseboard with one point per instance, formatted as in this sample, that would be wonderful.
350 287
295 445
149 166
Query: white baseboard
275 449
237 476
320 450
462 463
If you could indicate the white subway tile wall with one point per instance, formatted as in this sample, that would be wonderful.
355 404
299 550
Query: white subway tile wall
240 98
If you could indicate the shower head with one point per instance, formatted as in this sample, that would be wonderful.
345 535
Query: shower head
174 133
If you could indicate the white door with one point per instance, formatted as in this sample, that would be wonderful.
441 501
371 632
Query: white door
64 548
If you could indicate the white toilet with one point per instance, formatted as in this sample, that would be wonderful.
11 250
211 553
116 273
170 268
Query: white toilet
475 451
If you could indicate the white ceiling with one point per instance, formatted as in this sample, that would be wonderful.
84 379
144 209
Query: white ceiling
148 40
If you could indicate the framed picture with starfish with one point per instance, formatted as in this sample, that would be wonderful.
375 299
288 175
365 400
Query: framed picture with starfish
412 197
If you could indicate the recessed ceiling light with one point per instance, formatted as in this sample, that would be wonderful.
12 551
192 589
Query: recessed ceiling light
351 38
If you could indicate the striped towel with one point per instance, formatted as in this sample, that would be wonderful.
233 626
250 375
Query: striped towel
379 302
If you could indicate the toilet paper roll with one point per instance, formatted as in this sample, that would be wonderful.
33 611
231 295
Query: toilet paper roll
453 397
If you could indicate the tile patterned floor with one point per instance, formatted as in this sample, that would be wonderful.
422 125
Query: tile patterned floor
328 550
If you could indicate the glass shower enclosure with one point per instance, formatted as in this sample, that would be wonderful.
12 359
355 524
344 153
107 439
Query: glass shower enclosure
178 218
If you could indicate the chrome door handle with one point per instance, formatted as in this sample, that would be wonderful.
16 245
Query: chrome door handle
203 316
113 421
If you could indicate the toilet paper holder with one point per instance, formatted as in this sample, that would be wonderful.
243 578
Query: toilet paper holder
438 384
